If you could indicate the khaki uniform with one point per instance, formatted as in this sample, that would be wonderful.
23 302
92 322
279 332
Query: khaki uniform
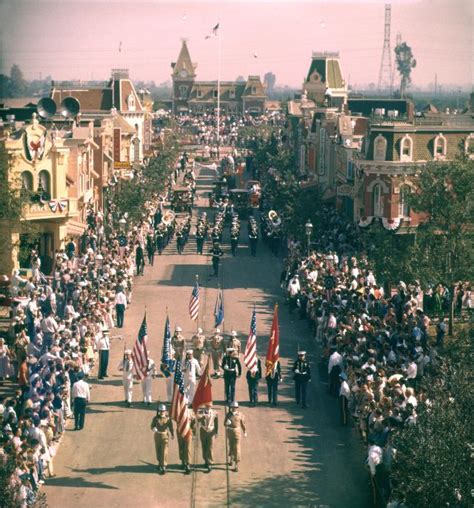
164 427
208 428
234 422
184 444
198 342
217 350
177 341
236 344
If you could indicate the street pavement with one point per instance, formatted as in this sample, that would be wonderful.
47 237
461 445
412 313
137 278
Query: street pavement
291 457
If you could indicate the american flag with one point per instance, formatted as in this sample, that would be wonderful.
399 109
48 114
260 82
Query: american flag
140 352
167 363
179 403
194 302
250 355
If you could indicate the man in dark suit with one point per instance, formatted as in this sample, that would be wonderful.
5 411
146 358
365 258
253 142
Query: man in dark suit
273 378
302 375
253 377
232 370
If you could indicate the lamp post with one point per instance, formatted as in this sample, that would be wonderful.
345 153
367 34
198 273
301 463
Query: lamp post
309 230
122 224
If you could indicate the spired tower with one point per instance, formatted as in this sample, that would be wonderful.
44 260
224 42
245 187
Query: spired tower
183 76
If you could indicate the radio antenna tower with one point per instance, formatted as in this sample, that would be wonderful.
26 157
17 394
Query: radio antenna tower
385 73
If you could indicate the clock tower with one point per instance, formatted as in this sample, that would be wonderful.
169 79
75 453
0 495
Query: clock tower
183 76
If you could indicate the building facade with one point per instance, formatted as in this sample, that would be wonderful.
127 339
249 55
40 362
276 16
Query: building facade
235 97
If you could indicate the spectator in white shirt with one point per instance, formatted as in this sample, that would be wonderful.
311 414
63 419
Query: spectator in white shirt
120 306
81 396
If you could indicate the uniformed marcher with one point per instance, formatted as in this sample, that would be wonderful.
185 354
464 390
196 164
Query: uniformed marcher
302 375
177 341
232 370
160 238
234 342
147 381
198 341
185 443
126 366
273 378
234 423
216 253
253 377
180 240
253 240
200 237
234 240
217 348
162 426
344 396
208 430
191 371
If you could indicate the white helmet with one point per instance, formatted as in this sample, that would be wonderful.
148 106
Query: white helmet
199 330
233 333
234 403
218 330
178 329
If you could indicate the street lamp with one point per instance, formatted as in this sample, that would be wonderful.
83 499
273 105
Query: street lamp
122 224
309 230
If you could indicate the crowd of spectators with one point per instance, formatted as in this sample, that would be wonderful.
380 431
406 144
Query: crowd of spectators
376 347
57 324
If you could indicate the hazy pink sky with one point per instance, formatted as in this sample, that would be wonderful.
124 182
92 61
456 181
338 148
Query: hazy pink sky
79 39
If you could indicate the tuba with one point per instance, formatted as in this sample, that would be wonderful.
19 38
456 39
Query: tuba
274 219
168 217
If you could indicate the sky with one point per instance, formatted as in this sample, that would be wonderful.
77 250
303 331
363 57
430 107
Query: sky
80 39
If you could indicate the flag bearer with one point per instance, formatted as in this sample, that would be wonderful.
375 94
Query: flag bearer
162 427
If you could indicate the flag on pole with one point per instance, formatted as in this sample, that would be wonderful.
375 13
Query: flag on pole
167 362
273 351
215 30
140 352
250 355
179 403
194 302
203 394
219 309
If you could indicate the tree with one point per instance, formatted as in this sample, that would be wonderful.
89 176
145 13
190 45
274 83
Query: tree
405 64
443 249
18 84
433 461
5 86
269 79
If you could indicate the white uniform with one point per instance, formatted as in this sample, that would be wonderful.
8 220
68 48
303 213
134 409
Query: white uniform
147 381
126 366
192 369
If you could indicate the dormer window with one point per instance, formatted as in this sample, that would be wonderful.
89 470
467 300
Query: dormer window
131 102
231 93
254 90
214 94
198 93
440 147
380 148
406 149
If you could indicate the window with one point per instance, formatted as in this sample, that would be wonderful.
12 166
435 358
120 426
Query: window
26 181
215 94
131 102
254 90
350 171
198 93
404 208
377 203
44 184
406 148
183 91
440 145
231 94
469 146
380 148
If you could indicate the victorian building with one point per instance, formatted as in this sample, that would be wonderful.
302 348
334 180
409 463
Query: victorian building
190 95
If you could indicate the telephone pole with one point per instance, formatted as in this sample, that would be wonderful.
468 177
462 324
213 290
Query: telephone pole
385 72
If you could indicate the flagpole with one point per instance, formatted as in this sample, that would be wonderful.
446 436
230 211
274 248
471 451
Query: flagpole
218 88
197 320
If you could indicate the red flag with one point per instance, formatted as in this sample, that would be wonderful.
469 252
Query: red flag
273 351
203 394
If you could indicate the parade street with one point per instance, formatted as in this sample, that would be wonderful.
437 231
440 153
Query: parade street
292 456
